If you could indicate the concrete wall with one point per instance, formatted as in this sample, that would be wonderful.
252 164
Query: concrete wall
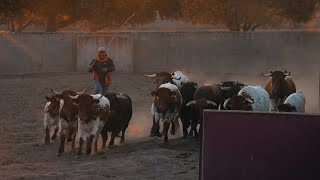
36 52
120 51
227 51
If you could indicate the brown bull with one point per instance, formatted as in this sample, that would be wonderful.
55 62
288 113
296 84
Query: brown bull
162 78
166 105
94 111
279 87
67 118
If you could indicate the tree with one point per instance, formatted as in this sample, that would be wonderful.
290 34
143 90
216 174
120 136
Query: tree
236 15
295 11
56 14
247 15
112 13
17 14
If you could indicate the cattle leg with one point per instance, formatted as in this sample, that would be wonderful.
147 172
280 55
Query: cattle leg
61 146
185 129
73 141
55 133
166 129
89 144
104 135
196 134
47 138
95 149
173 128
152 134
193 130
122 136
80 147
185 125
113 136
155 130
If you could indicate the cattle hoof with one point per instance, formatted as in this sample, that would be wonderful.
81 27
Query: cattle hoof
185 136
166 139
59 154
53 138
173 131
158 134
110 146
122 140
196 135
78 157
47 140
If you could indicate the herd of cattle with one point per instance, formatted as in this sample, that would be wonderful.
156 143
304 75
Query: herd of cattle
70 112
175 97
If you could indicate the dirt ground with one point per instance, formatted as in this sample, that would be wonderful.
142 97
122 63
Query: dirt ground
23 154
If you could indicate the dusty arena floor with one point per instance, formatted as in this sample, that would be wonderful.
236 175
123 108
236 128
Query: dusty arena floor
23 154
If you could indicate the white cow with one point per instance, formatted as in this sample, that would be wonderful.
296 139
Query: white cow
51 118
249 98
181 78
294 103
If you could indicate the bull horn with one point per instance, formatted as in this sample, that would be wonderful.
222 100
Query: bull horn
267 74
191 102
78 93
97 96
225 88
153 90
225 103
249 100
56 92
73 97
121 96
150 76
286 73
174 77
212 103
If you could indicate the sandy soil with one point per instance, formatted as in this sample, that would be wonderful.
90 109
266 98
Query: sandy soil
23 154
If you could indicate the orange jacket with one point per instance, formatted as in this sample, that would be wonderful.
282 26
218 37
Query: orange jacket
104 63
